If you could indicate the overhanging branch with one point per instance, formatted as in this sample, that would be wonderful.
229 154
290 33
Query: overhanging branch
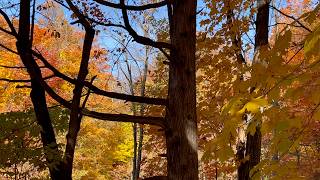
77 12
96 90
8 49
7 19
133 8
158 121
291 17
22 80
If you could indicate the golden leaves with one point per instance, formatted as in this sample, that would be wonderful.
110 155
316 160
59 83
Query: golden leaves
312 43
239 106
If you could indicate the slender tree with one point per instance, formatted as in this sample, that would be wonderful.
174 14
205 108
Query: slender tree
253 142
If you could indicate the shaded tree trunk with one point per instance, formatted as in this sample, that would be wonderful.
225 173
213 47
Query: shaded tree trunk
240 156
52 154
181 133
253 150
75 116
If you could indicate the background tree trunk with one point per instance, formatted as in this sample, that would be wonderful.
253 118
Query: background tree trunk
142 108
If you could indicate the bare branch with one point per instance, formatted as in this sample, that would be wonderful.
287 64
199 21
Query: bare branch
8 49
15 80
105 24
7 19
96 90
62 4
133 8
23 80
6 31
139 99
13 67
32 21
23 86
158 121
16 67
76 11
291 17
138 38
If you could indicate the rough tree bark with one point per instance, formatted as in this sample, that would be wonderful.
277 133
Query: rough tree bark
181 133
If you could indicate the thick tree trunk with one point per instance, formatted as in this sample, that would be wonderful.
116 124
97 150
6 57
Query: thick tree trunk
181 134
253 144
52 154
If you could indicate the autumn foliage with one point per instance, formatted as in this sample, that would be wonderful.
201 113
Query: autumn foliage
138 89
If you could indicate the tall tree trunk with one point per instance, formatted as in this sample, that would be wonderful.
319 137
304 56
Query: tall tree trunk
137 132
75 117
135 146
134 125
253 144
52 154
181 133
142 107
140 143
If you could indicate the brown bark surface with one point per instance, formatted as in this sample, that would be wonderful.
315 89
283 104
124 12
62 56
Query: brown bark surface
181 135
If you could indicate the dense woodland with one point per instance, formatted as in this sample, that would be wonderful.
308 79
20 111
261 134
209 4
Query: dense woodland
159 89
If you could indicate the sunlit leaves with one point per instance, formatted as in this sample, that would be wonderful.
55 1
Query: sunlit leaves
312 43
100 151
254 105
